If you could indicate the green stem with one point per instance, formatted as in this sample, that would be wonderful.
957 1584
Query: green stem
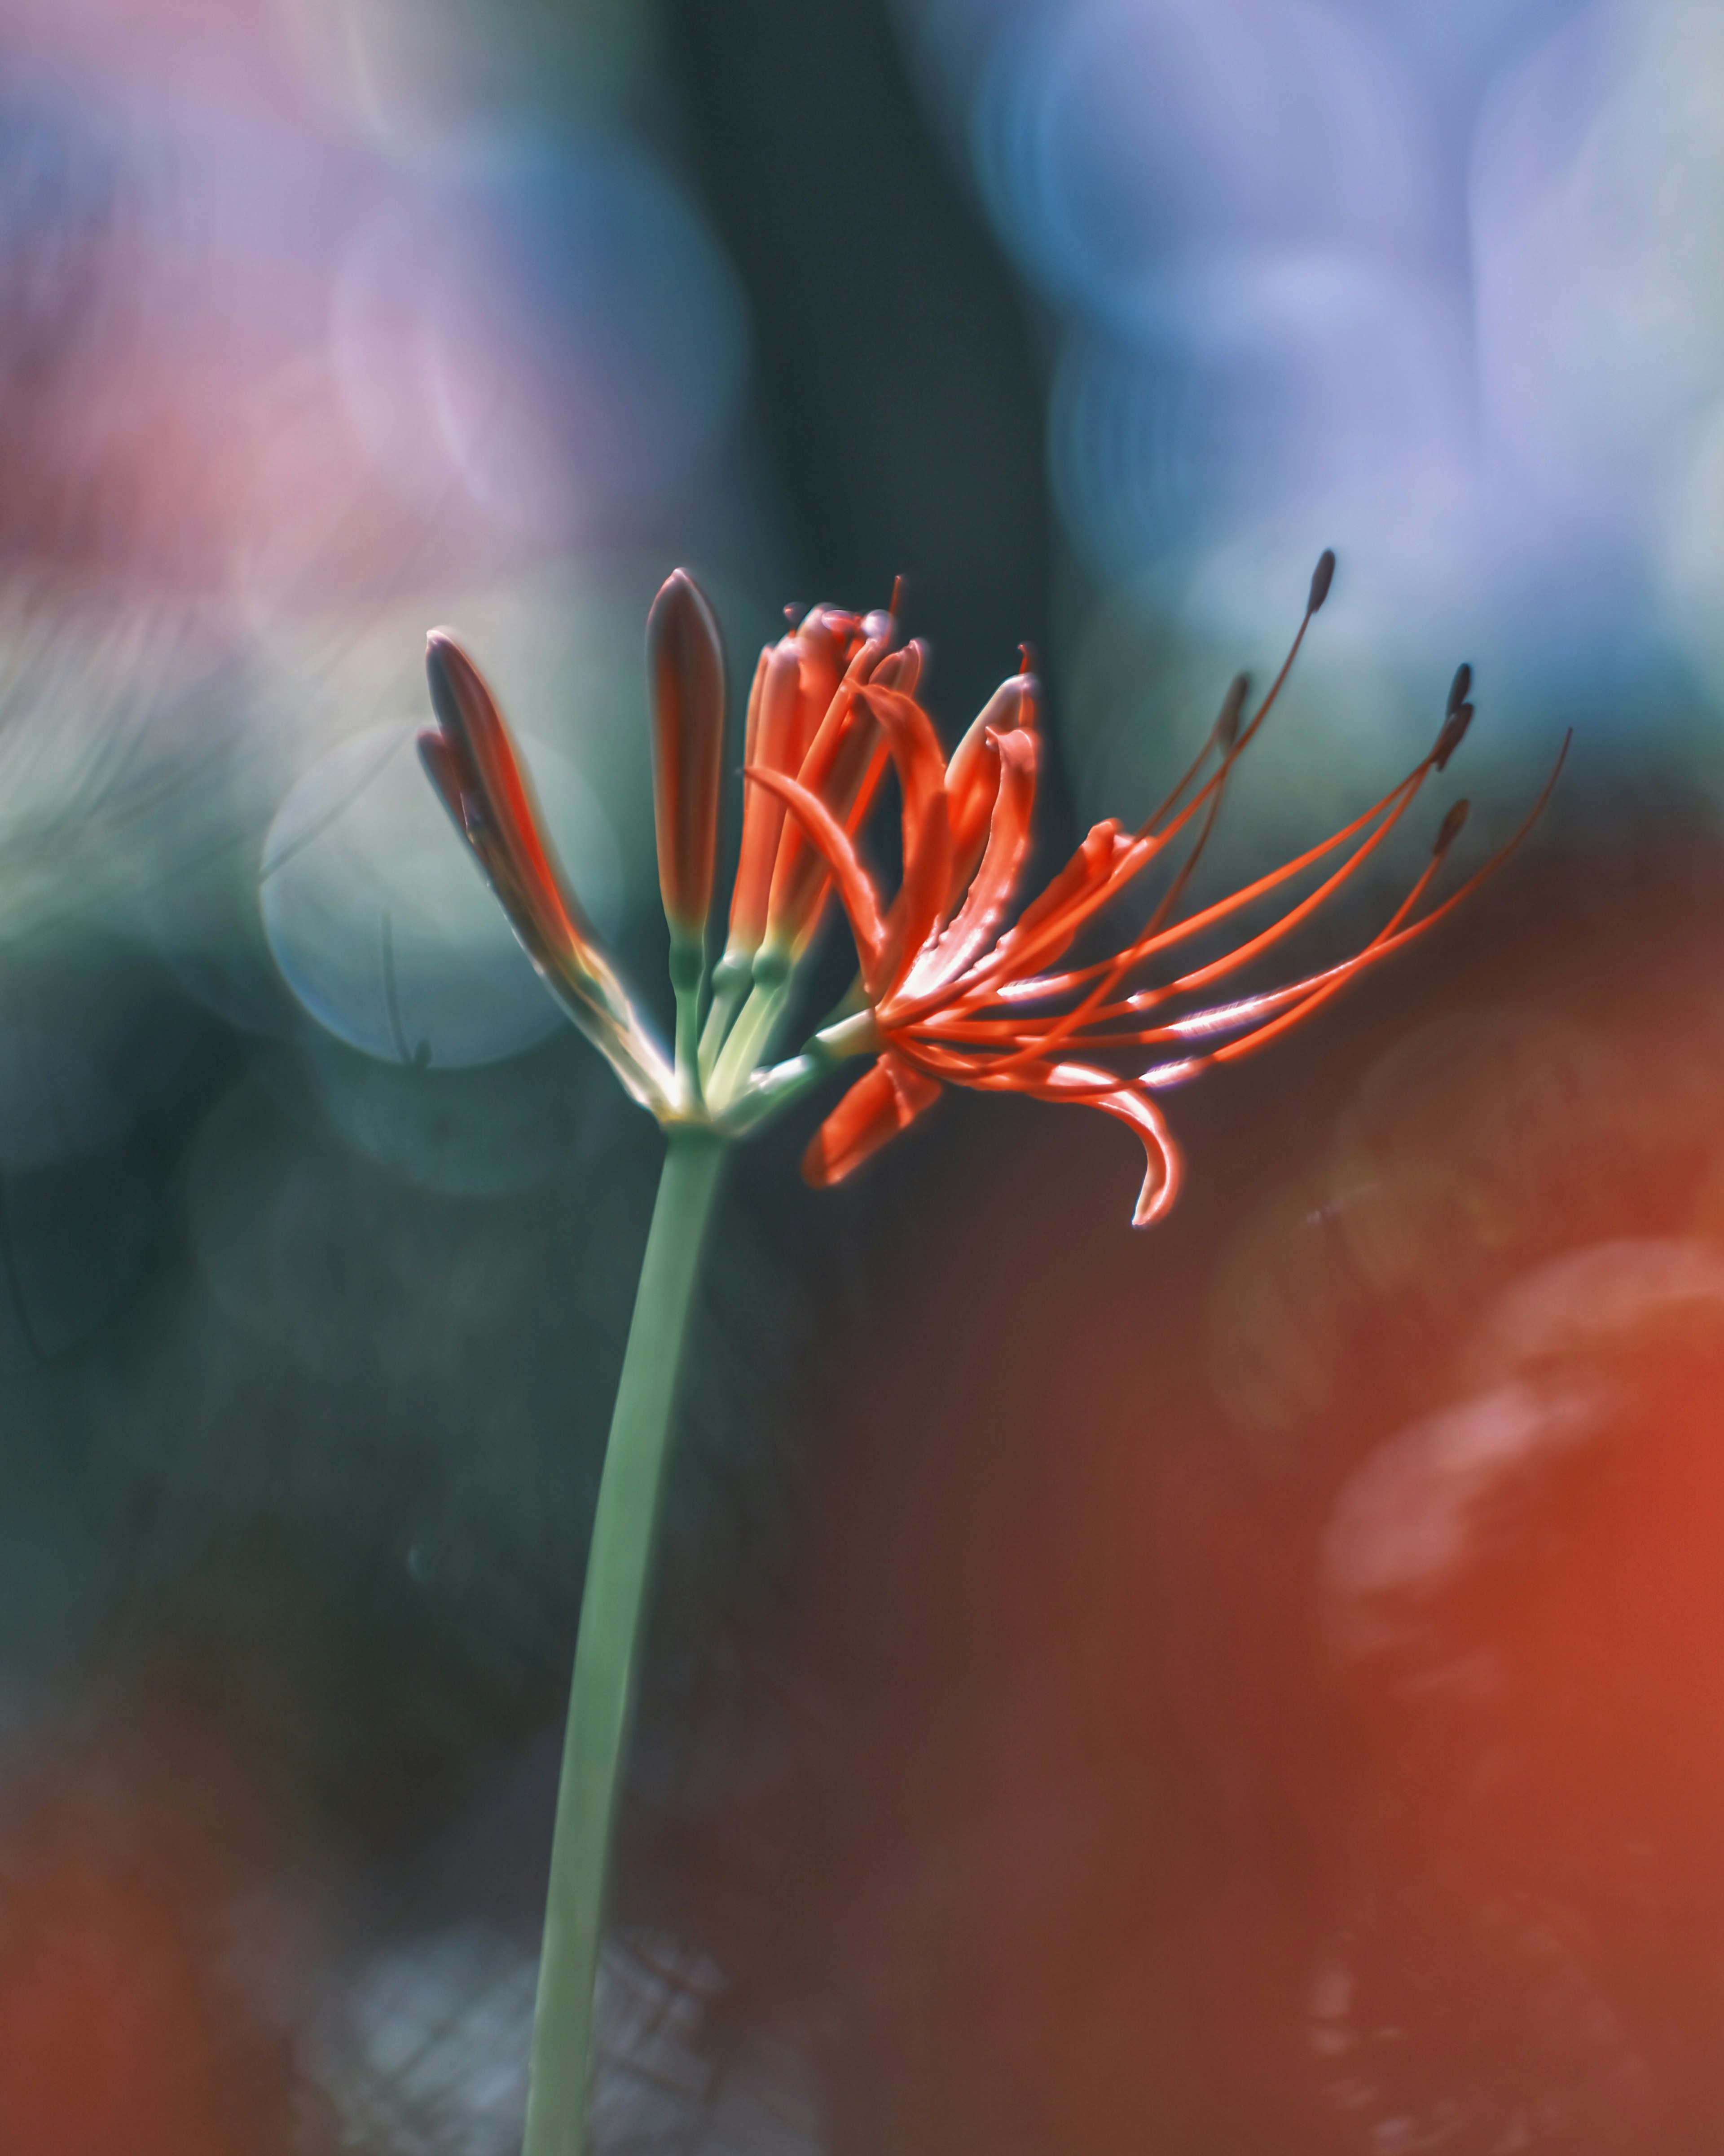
749 1036
732 979
606 1650
688 975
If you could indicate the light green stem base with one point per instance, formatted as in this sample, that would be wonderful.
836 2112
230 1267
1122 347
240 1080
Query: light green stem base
600 1703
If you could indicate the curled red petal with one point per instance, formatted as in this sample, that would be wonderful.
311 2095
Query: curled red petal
835 765
926 889
1132 1103
855 780
1164 1168
973 772
922 896
995 878
886 1100
915 751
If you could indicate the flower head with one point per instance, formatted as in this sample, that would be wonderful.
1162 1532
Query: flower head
954 996
950 990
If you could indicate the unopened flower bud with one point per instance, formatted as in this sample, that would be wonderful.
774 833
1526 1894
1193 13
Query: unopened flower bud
685 681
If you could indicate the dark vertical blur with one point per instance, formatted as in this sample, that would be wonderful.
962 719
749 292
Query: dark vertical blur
900 395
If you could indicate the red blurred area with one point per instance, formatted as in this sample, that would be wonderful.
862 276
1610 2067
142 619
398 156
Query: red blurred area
123 2029
1274 1664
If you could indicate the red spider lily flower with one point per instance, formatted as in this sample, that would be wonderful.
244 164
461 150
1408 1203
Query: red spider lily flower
472 762
953 1000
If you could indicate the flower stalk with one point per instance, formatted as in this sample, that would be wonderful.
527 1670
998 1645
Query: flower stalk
613 1604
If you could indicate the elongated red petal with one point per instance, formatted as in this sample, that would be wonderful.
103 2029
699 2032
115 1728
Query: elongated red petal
773 746
473 764
829 839
756 688
886 1100
822 657
473 723
1046 928
685 680
973 774
834 766
922 894
850 775
996 876
916 751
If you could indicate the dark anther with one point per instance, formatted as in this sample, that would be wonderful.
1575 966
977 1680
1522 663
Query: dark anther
1453 732
1227 726
1321 578
1450 830
1458 689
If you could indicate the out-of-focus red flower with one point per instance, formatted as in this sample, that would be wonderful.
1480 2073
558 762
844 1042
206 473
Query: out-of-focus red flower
119 2033
952 999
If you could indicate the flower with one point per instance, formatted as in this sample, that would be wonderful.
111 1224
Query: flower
947 993
952 997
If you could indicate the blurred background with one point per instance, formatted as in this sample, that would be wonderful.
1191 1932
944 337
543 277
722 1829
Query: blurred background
1251 1686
